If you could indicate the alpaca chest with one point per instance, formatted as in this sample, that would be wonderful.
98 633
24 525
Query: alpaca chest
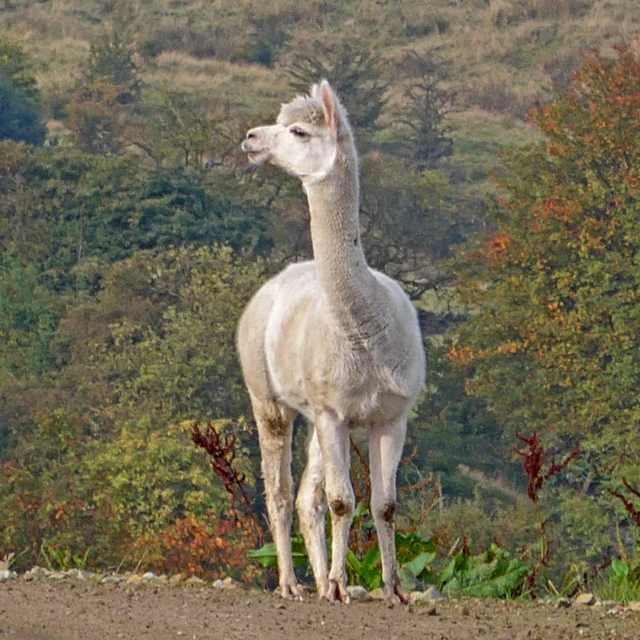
313 366
311 372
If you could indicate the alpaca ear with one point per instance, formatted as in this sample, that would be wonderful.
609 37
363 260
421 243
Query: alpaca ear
330 105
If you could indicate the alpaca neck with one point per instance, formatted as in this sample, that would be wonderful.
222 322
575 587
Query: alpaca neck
348 285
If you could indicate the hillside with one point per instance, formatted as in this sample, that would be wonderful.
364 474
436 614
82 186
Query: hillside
499 56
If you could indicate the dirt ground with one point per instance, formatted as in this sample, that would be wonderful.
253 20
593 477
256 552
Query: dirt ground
69 610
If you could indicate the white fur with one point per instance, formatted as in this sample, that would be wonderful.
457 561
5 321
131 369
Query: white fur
333 340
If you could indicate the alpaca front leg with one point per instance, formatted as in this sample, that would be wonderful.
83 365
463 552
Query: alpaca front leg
385 451
275 448
333 436
312 508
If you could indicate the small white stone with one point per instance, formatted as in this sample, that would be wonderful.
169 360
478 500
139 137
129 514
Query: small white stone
8 575
229 583
35 572
586 599
149 575
217 584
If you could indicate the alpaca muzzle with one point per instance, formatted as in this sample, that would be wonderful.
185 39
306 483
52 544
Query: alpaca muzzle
256 151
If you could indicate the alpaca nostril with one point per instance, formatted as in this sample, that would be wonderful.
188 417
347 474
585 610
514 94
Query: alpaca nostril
252 135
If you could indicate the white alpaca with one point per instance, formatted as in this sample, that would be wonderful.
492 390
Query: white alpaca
335 341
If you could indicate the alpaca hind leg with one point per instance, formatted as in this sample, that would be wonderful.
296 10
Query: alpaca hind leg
333 437
274 431
312 508
385 451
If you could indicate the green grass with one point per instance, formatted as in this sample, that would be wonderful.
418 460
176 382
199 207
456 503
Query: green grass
478 137
621 582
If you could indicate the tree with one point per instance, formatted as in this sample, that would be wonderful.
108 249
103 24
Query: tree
410 219
96 459
111 59
553 290
60 207
421 118
187 128
20 109
158 339
29 314
103 102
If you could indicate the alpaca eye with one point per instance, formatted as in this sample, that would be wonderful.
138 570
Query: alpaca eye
299 133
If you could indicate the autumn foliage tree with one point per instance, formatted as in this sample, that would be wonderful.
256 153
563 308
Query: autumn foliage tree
553 341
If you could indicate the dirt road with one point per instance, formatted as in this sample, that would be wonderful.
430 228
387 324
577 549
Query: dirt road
86 610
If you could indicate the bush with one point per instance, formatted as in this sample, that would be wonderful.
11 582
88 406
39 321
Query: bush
20 108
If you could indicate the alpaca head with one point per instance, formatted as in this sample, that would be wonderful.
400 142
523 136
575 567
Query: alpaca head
306 137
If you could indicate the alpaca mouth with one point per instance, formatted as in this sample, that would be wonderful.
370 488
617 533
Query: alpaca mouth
258 157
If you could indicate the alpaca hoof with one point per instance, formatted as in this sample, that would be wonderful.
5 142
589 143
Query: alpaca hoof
291 592
336 591
393 594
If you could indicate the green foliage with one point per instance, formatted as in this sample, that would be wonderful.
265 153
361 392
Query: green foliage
460 440
109 485
492 574
47 503
29 315
410 220
186 128
72 499
19 116
60 207
104 99
62 559
421 120
269 35
267 557
415 554
149 477
111 59
20 110
176 360
622 572
623 584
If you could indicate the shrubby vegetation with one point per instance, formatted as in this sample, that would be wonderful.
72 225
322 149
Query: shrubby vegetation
19 97
552 339
132 235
